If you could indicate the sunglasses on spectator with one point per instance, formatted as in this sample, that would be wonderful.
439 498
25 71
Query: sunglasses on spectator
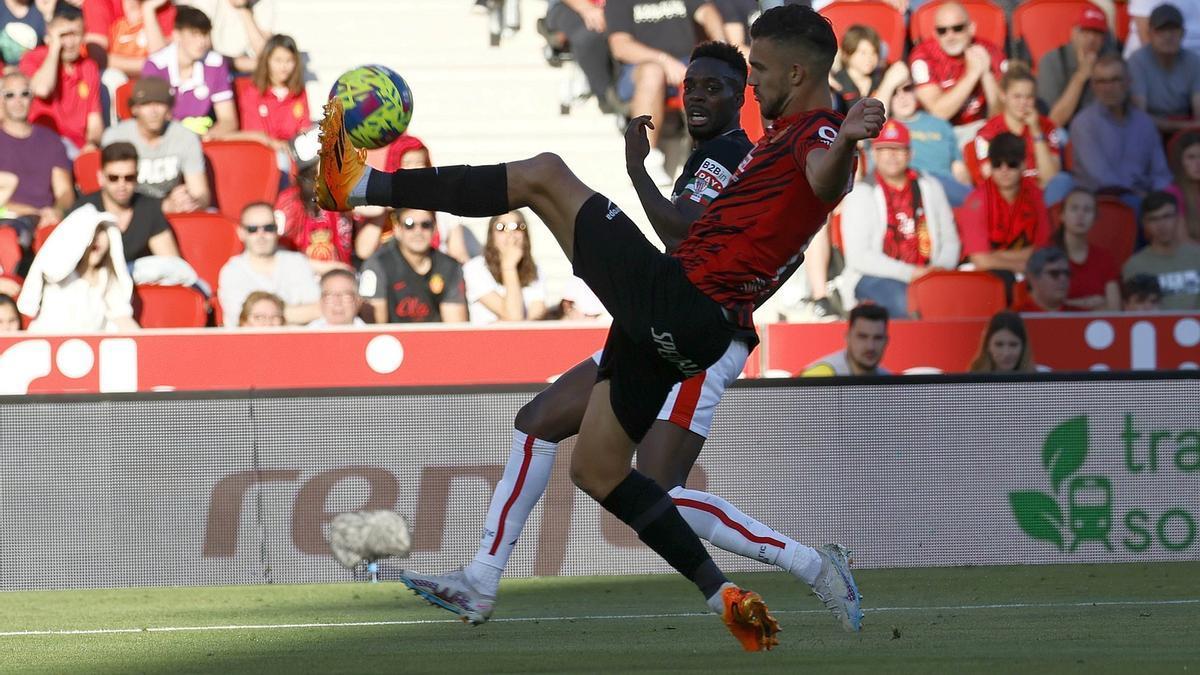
24 93
1011 164
511 225
1057 274
121 177
955 28
410 224
270 228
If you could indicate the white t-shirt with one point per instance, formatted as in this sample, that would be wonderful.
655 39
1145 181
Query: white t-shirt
75 306
320 322
1190 9
229 33
293 282
480 282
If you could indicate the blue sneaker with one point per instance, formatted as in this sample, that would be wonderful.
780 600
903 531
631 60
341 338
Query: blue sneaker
836 589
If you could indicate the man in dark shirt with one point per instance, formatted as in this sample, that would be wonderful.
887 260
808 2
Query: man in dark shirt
410 281
144 229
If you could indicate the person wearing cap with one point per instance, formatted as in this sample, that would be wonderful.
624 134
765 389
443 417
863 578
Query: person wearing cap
170 160
1139 23
1063 75
1164 75
897 225
1048 274
65 82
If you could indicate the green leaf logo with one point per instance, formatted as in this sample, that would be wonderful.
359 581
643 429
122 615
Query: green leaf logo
1065 449
1038 515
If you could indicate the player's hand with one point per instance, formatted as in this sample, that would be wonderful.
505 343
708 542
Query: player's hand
637 142
863 121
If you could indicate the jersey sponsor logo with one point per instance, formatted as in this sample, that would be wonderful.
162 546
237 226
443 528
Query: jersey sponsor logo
713 172
827 134
666 349
660 11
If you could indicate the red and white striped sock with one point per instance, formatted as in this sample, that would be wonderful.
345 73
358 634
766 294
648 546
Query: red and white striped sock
524 481
724 526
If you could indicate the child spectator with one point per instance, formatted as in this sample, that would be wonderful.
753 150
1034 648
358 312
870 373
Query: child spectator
1185 165
65 83
503 284
261 310
198 76
862 73
935 151
1095 278
10 316
1141 293
1005 347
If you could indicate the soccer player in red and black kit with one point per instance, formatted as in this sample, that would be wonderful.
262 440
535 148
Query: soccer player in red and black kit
676 314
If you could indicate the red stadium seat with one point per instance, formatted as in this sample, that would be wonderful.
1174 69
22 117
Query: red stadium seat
990 23
1116 228
40 236
974 164
751 116
87 171
124 112
956 295
206 241
1044 25
874 13
169 307
242 172
1121 20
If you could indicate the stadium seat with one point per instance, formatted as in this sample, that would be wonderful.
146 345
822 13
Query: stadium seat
1043 25
168 307
990 22
1121 20
241 172
40 236
956 295
751 116
206 242
1116 228
874 13
87 171
974 164
122 95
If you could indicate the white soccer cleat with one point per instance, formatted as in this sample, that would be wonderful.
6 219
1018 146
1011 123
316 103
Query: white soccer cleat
452 592
836 589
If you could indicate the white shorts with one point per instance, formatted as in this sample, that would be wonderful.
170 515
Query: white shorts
692 403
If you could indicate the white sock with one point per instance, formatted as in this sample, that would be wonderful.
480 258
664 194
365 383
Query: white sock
724 526
524 481
717 602
358 194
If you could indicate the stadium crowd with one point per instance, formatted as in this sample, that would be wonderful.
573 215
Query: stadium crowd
1070 176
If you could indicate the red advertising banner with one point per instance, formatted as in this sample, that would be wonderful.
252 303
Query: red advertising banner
208 360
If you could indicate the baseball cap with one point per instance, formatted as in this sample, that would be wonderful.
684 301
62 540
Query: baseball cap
1165 15
151 89
1092 18
892 135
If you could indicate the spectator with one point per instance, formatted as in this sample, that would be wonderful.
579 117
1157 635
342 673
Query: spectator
1166 77
323 236
1019 116
78 281
37 158
1005 347
65 83
261 309
1176 263
1005 218
240 28
957 75
410 281
144 229
579 303
170 160
504 284
198 77
582 23
861 73
652 41
1140 12
898 226
264 267
1095 278
24 27
1185 165
340 301
10 317
866 340
1141 293
935 151
272 102
1064 74
101 20
1117 149
130 38
1048 274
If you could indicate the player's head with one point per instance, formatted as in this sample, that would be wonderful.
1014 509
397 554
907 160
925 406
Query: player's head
791 51
866 336
714 89
413 230
1004 347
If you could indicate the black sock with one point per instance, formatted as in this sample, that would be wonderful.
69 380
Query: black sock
641 504
473 191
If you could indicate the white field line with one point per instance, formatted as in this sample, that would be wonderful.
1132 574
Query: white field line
598 617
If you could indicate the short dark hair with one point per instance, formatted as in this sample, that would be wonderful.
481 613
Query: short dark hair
869 311
723 51
338 272
1042 257
1155 201
65 11
190 18
802 27
6 299
119 151
1006 147
1141 286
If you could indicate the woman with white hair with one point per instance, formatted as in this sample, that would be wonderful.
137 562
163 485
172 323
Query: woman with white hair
78 282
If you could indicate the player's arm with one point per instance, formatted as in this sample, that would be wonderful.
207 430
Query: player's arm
828 169
670 221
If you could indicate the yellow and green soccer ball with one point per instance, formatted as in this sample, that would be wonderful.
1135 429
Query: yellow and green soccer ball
378 105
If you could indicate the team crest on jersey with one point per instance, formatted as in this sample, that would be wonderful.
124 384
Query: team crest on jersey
436 284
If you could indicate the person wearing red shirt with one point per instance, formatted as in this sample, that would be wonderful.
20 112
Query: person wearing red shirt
1049 276
272 100
323 236
957 76
100 17
1043 142
1005 218
65 82
1095 276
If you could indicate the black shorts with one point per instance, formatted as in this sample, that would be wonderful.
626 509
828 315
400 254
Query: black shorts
664 329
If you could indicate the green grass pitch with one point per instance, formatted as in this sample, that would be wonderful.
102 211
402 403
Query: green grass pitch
1093 619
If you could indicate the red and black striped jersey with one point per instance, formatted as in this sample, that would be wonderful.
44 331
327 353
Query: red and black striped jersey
753 235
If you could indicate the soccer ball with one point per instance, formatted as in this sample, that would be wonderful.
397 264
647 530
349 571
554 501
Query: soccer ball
378 105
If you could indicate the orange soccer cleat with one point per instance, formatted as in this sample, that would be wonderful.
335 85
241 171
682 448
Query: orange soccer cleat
342 164
747 617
